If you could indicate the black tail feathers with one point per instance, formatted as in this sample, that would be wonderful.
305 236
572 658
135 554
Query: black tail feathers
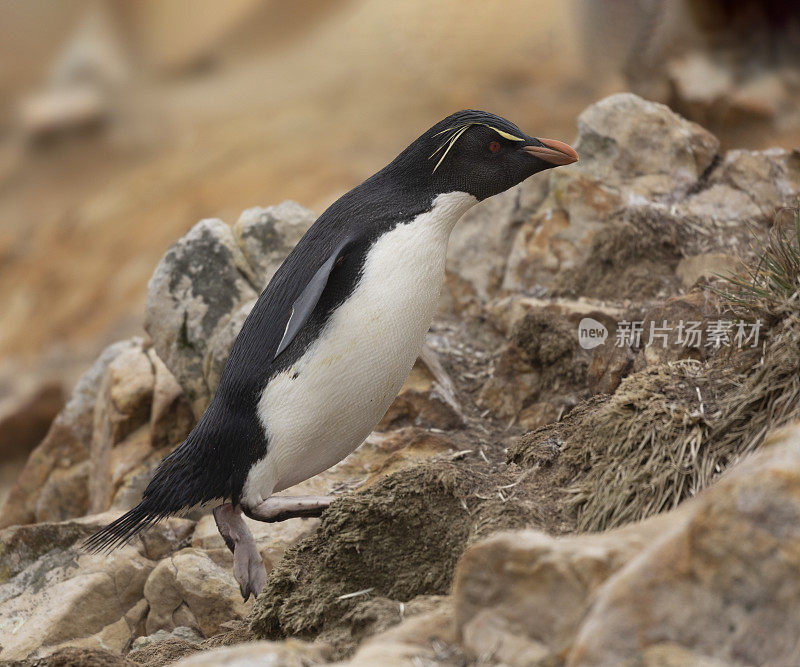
182 480
211 464
124 529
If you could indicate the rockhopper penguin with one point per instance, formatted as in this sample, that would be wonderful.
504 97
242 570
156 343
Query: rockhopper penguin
334 335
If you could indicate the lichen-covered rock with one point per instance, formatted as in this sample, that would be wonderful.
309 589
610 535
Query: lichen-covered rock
206 284
53 594
63 594
267 235
201 279
220 346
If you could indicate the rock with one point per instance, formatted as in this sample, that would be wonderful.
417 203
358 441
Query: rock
553 238
542 361
420 403
114 638
190 589
521 596
623 136
67 443
166 537
289 653
64 595
422 639
53 595
719 579
506 313
707 266
220 346
171 416
648 191
207 283
771 178
181 632
613 359
202 278
123 404
719 203
267 235
761 98
513 384
65 494
701 85
481 240
131 382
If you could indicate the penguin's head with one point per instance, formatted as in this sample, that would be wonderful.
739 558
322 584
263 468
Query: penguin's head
480 153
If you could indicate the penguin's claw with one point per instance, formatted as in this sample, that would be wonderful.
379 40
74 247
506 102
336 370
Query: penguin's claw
249 570
248 566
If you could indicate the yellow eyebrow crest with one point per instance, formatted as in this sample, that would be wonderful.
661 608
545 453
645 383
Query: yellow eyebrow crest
457 131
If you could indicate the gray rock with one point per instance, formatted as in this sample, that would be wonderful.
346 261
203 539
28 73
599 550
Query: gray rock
220 347
51 592
78 413
196 297
267 235
202 279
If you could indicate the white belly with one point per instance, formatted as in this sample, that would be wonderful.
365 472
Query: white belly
348 378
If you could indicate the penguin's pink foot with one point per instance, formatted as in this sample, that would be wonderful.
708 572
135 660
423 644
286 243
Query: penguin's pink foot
248 566
280 508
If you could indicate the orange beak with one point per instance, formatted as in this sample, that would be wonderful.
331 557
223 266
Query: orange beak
555 152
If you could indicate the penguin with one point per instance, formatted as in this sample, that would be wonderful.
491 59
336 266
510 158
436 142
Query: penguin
333 336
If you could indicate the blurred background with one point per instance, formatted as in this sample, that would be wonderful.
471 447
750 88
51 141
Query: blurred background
123 123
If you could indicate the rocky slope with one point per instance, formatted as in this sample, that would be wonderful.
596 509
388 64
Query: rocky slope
460 534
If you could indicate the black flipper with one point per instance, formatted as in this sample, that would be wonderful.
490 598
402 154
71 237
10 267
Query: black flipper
307 301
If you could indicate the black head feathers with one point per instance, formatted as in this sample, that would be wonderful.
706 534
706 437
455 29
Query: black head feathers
479 153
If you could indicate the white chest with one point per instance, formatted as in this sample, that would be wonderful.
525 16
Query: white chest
324 406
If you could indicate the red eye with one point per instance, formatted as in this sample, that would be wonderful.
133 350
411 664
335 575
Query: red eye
494 146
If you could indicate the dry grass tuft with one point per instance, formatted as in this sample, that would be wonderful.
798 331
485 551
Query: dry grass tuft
766 289
669 430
